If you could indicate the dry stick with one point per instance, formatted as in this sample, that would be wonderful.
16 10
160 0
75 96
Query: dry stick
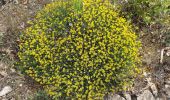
25 2
162 53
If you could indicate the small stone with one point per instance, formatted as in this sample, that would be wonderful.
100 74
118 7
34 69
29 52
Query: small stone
3 73
114 97
2 2
127 96
12 70
158 51
20 85
70 24
22 25
167 86
145 74
5 90
167 90
160 98
146 95
16 1
153 40
167 81
154 89
168 53
149 80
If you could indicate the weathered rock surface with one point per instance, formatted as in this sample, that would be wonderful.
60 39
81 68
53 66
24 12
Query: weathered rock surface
3 73
154 89
167 90
127 96
114 97
2 2
146 95
5 90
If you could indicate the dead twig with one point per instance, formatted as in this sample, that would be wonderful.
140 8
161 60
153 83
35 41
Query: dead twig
162 53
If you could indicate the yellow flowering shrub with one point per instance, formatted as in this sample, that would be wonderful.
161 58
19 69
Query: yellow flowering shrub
80 54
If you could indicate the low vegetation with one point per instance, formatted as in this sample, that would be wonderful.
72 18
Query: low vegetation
80 51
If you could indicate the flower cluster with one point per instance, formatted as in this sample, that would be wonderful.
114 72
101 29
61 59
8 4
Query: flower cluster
80 54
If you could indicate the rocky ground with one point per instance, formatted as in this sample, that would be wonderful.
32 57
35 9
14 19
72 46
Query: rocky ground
13 15
153 85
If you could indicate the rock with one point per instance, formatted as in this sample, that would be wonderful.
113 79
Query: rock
20 85
114 97
167 70
160 98
3 73
5 90
22 25
16 1
154 89
145 74
167 81
149 80
2 2
167 90
127 96
152 86
168 53
146 95
12 70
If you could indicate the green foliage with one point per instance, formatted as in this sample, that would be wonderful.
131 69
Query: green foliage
41 95
144 12
81 55
78 4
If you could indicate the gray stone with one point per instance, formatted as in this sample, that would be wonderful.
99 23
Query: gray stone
160 98
113 97
16 1
168 53
154 89
3 73
146 95
167 90
2 2
127 96
13 70
5 90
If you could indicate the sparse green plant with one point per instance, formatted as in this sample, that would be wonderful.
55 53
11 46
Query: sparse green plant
40 95
144 12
